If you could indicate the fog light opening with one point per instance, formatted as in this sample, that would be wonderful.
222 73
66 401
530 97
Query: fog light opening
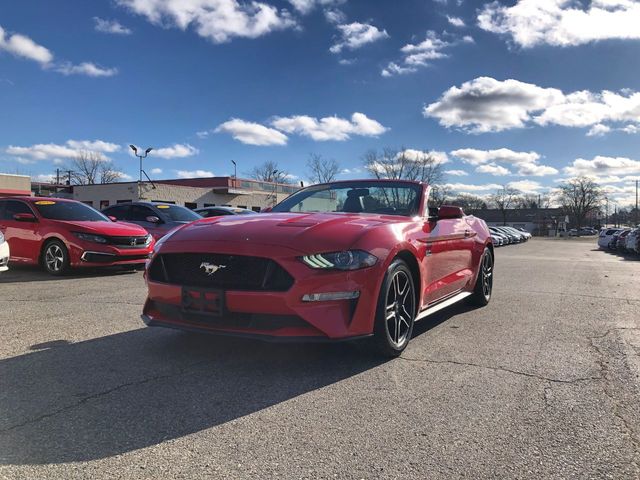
328 296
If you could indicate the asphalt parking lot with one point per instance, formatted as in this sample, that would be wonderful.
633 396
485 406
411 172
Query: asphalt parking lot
543 382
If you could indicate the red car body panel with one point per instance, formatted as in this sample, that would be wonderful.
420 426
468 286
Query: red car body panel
26 239
446 254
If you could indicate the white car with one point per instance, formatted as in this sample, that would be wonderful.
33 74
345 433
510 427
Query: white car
606 234
4 254
631 241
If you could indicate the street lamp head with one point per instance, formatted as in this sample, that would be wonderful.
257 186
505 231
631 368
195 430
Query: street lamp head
135 150
148 150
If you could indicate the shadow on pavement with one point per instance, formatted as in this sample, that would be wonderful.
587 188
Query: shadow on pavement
69 402
22 273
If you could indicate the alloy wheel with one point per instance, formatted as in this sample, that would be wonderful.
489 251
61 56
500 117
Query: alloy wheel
399 308
487 275
54 258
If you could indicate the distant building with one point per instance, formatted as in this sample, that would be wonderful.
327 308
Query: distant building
190 192
11 185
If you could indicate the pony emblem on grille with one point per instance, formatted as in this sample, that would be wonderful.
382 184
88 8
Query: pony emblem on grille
210 268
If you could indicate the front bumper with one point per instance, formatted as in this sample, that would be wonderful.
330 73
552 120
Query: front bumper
88 254
281 315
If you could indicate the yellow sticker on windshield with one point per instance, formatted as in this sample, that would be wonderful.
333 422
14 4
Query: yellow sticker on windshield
45 202
162 206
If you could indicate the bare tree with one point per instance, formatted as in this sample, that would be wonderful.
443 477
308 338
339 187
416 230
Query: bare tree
401 165
269 171
89 168
320 169
471 204
438 195
505 199
578 197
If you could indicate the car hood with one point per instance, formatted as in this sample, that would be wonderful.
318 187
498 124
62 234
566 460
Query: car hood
303 232
114 229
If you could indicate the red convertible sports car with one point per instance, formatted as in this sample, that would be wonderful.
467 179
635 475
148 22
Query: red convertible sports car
59 234
336 261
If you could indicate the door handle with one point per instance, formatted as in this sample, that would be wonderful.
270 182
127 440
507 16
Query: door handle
467 232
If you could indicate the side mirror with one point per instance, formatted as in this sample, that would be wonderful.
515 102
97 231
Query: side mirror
266 209
152 219
25 217
449 211
112 218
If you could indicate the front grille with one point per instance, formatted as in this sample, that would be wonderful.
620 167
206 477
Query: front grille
219 271
256 321
128 242
97 257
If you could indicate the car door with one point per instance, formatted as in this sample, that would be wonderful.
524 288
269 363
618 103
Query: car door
449 244
23 237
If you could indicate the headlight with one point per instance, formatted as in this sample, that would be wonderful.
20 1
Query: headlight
88 237
346 260
147 240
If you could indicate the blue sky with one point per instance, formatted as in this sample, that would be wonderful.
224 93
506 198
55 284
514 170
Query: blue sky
525 92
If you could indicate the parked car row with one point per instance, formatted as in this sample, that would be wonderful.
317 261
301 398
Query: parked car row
626 240
508 235
60 234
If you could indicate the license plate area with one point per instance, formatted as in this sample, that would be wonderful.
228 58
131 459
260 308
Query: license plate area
203 301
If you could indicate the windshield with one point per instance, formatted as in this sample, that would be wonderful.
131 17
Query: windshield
176 213
387 198
76 211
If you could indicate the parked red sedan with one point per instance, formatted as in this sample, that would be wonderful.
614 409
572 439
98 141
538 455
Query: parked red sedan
335 261
59 234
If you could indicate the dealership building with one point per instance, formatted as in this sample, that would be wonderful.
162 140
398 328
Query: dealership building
189 192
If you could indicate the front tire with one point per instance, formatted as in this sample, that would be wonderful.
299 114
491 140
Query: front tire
55 258
484 284
396 310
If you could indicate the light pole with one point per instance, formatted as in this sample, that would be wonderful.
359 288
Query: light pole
135 152
235 174
274 175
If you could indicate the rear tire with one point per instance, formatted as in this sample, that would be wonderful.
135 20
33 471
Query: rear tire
396 311
55 258
484 284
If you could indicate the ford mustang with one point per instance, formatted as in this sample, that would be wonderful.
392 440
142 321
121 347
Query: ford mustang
335 261
60 234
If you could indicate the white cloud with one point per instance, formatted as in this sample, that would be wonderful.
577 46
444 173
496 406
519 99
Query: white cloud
456 21
330 128
194 173
564 23
216 20
177 150
110 26
85 68
525 162
43 178
421 54
22 46
335 16
631 129
305 6
526 186
252 133
456 173
52 151
355 35
601 165
439 158
156 171
466 187
489 105
493 169
598 130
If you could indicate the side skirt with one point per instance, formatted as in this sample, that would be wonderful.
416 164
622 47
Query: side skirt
442 304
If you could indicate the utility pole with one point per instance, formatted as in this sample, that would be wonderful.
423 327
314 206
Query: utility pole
141 157
235 174
636 203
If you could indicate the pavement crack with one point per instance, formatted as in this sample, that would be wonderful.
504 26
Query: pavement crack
97 395
502 369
